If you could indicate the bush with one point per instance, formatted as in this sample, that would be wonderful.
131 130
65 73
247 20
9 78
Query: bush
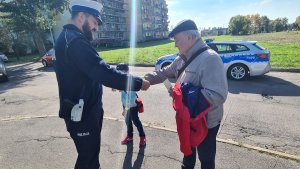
19 48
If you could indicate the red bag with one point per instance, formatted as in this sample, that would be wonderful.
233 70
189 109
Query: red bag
140 105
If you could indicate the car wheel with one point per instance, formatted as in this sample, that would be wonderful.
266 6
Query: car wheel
165 64
238 72
44 63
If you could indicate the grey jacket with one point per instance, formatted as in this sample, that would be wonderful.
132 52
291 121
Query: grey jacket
206 71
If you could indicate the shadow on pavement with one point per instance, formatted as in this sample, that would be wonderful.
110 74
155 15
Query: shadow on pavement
265 85
20 74
128 158
46 69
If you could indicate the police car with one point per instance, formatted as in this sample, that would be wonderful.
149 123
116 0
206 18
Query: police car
241 58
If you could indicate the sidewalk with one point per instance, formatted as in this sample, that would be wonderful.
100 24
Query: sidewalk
44 143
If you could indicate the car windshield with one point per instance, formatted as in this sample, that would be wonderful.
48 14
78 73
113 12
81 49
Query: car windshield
51 51
224 48
240 48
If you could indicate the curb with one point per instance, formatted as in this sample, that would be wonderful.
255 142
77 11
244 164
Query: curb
228 141
225 141
291 70
275 69
262 150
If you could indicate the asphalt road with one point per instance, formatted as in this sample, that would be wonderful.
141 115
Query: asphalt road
261 111
37 143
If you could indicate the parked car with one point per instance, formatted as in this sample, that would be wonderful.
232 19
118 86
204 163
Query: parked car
3 57
48 58
241 58
3 73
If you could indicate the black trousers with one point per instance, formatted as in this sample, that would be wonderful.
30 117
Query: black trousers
87 139
132 116
206 152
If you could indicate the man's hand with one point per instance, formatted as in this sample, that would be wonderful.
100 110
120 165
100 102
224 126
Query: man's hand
145 85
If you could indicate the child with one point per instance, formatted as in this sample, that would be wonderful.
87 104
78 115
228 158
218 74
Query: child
130 112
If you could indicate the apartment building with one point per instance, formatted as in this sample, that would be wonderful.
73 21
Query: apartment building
114 30
152 22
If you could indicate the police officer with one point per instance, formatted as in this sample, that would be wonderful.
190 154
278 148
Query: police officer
80 74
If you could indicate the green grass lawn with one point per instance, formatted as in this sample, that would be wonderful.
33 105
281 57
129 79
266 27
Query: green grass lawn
284 47
27 58
145 53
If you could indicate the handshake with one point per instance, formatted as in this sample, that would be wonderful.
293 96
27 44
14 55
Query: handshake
166 82
145 85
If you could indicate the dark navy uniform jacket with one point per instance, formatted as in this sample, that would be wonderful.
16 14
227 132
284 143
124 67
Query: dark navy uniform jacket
80 72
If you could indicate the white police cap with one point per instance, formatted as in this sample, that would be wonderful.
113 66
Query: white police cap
87 6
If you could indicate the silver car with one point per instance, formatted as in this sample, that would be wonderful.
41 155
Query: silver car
241 58
3 73
3 57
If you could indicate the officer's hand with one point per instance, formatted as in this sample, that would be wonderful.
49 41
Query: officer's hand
145 85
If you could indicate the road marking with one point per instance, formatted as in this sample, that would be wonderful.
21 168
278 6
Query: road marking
226 141
263 150
16 118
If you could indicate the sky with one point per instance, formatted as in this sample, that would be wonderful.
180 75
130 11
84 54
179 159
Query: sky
217 13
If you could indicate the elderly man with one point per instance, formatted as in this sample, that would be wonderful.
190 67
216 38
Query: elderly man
80 75
204 69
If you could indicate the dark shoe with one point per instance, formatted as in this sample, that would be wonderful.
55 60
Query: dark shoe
142 141
126 140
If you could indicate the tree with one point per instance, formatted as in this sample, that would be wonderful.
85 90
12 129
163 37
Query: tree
239 25
265 24
5 39
276 25
255 26
284 22
280 24
292 26
32 16
297 23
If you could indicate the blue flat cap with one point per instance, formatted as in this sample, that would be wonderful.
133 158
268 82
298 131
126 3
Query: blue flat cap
87 6
184 25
